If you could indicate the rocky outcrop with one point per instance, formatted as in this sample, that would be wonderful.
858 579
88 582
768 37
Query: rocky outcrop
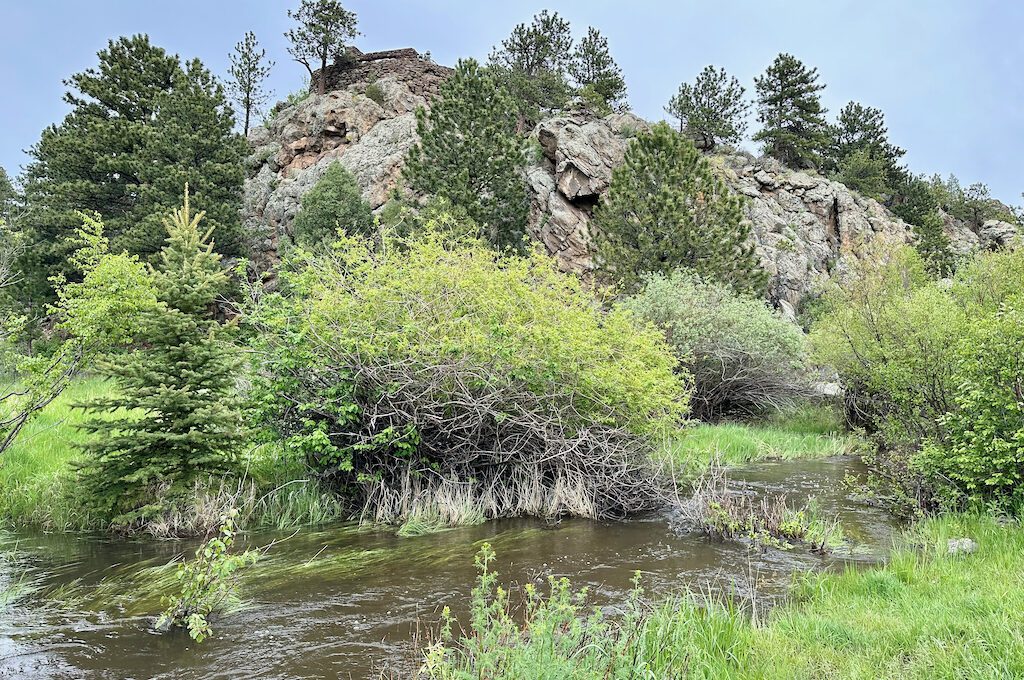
369 138
805 227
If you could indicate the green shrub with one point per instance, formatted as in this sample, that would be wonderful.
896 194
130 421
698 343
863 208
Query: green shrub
374 92
208 583
983 451
335 202
434 365
744 357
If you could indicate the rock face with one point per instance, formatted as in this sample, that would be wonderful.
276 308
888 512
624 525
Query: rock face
805 227
370 137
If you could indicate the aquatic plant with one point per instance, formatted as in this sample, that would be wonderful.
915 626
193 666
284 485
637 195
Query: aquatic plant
208 583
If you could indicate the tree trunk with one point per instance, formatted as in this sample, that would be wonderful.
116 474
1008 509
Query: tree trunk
322 87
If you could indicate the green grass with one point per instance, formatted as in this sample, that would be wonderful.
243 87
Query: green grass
36 481
925 614
805 433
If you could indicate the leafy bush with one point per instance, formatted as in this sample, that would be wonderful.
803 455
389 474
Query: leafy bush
335 202
433 365
208 583
743 356
983 452
935 370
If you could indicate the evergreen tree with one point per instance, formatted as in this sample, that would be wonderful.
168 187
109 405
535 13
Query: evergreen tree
470 155
324 26
249 68
335 202
666 209
596 73
865 174
8 197
789 109
532 64
713 109
191 141
174 416
136 119
862 129
914 202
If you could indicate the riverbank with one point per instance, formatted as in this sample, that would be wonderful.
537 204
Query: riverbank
925 614
37 487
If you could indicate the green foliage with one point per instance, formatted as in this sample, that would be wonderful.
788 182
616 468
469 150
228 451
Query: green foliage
249 68
864 174
983 452
789 109
375 93
915 202
208 583
596 74
861 138
438 354
712 109
470 155
97 313
335 202
532 64
140 125
324 26
8 197
935 365
744 358
175 416
667 209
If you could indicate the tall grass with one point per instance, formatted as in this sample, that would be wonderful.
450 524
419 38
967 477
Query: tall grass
926 614
808 432
37 481
37 484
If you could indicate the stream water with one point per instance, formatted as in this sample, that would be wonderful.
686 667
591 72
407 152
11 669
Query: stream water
346 601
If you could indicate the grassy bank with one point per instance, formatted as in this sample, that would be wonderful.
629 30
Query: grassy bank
37 479
926 614
809 432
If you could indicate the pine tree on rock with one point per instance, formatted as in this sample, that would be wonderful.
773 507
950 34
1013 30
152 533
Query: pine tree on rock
469 154
324 27
532 65
790 112
862 129
596 73
249 68
666 209
174 417
712 109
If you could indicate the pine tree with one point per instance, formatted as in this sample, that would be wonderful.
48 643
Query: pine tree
249 68
790 112
335 202
8 197
914 201
174 417
713 109
324 27
470 155
596 73
532 65
862 128
666 209
136 119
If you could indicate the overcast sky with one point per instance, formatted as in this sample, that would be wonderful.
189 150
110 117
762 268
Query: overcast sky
949 75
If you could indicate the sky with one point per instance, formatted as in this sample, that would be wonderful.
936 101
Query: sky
946 73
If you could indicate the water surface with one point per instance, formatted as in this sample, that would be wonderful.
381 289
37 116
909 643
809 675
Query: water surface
346 601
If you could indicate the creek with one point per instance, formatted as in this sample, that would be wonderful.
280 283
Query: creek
348 601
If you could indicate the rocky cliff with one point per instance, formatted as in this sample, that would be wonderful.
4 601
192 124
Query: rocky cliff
806 228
